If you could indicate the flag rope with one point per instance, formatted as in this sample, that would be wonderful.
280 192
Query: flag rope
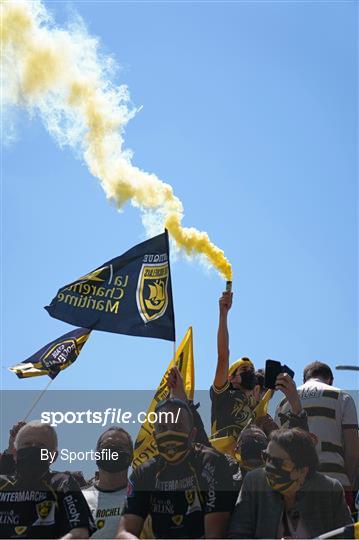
37 400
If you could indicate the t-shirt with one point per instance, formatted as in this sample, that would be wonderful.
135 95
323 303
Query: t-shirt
177 497
47 508
106 508
292 525
231 410
330 411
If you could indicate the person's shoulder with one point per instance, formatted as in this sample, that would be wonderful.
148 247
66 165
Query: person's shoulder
147 469
313 384
314 388
207 453
320 481
345 396
219 390
91 495
88 490
231 461
57 475
255 479
256 474
90 485
6 480
62 481
207 458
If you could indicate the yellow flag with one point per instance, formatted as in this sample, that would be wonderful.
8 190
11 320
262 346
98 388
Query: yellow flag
225 445
145 447
262 407
350 531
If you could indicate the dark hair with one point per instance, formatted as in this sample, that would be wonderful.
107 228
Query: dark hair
177 404
299 446
260 377
251 442
319 370
119 430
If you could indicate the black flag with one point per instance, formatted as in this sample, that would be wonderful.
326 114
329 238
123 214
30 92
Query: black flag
54 357
131 294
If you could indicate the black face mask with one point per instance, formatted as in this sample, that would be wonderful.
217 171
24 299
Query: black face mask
278 478
248 380
29 464
114 465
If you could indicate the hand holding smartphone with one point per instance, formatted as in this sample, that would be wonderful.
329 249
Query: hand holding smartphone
272 370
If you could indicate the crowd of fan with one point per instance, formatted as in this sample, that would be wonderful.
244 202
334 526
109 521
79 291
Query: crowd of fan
291 476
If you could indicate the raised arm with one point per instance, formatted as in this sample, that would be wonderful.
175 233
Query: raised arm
177 390
296 416
221 375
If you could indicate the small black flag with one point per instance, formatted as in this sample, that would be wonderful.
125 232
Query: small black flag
54 357
131 294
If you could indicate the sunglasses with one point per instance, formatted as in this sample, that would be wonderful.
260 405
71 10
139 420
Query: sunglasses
267 458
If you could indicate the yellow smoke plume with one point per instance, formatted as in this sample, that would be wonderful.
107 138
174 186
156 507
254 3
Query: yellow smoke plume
60 74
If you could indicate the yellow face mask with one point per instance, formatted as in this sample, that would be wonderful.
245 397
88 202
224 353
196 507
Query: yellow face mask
172 445
279 479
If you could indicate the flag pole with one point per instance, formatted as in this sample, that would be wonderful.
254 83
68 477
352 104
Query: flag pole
37 400
174 350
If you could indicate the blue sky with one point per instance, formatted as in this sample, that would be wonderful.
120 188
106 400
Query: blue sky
250 113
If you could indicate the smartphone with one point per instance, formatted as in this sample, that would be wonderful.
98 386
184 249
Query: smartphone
272 370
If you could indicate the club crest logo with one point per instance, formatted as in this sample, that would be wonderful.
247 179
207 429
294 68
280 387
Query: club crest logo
177 519
57 355
193 501
151 296
44 508
20 529
190 494
46 513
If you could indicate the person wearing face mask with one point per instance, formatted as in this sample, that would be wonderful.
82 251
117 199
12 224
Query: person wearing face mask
289 498
7 462
333 419
36 502
186 489
108 493
232 392
177 390
248 453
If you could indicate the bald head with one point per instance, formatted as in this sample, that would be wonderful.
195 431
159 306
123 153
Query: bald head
35 433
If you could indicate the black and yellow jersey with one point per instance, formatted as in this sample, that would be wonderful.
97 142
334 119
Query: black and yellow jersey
231 410
177 497
46 508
